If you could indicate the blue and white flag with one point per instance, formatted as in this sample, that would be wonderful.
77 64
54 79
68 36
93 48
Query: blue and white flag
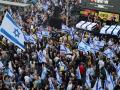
29 38
65 28
64 49
45 33
59 79
10 73
98 44
83 46
51 84
109 83
12 31
44 73
118 70
98 85
39 35
109 53
117 67
88 82
72 33
41 57
78 74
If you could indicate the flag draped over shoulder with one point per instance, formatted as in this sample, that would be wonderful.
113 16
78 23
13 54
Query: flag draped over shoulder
10 30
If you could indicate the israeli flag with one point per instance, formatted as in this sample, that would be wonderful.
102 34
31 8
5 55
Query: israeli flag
118 70
64 49
45 33
88 82
39 35
116 67
109 53
41 57
51 84
72 33
98 85
83 46
78 74
1 65
109 83
10 73
65 28
59 79
12 31
29 38
44 73
98 44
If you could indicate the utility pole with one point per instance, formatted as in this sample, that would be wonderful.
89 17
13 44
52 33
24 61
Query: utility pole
67 12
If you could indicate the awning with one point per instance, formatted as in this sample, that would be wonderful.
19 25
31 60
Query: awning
111 30
88 26
13 3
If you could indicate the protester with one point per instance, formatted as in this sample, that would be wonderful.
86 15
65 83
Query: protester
57 56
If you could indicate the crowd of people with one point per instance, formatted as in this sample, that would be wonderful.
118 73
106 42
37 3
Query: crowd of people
56 60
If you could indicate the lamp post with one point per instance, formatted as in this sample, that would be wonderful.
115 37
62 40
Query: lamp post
67 12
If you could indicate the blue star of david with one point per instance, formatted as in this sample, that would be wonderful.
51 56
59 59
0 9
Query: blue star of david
16 32
86 47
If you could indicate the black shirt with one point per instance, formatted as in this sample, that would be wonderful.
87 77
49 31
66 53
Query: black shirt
117 87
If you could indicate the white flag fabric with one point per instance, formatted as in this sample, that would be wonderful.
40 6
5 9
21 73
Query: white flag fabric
39 35
88 82
109 53
78 73
10 72
118 70
29 38
44 73
41 57
51 84
10 30
1 65
64 49
98 85
65 28
109 83
59 79
45 33
98 44
83 46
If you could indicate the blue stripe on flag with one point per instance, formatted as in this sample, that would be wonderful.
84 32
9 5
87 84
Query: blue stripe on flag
10 18
97 87
12 38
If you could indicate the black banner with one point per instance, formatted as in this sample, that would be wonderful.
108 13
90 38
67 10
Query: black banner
102 5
